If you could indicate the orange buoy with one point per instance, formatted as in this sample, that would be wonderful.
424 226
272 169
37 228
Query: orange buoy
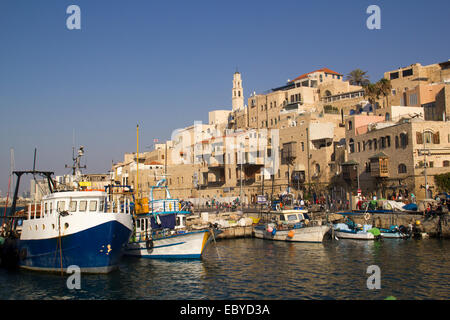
291 234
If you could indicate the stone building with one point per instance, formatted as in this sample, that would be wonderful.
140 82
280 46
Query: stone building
391 156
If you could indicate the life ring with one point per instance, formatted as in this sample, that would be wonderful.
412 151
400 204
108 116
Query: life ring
149 244
367 216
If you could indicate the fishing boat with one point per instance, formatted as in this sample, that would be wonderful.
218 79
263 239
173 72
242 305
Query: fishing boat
160 231
395 232
350 230
83 228
291 225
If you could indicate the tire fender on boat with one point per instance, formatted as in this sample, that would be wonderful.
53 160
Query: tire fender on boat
366 216
149 244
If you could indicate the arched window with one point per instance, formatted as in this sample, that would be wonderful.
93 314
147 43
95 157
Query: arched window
401 168
351 146
327 93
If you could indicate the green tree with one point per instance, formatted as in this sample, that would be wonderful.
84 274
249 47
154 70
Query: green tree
358 77
385 87
443 181
372 93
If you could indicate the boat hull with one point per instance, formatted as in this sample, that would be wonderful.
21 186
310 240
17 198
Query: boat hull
308 234
95 245
188 245
355 236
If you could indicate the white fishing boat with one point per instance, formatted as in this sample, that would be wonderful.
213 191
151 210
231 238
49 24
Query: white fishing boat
343 231
160 232
291 225
87 229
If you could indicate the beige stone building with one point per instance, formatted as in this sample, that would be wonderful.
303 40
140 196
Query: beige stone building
391 156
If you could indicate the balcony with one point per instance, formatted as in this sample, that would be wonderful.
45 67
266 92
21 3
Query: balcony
379 165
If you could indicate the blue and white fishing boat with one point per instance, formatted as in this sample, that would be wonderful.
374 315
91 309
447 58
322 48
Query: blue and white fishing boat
350 230
160 232
87 229
394 232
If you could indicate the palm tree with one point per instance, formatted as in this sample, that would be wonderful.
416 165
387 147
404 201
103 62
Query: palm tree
358 77
372 93
385 88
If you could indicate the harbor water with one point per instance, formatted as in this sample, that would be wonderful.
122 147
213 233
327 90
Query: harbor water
255 269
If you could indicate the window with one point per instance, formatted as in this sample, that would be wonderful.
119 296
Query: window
359 147
93 206
350 125
401 168
382 142
388 141
394 75
351 146
428 136
374 144
61 206
303 146
446 163
364 145
407 73
317 168
403 140
397 144
45 208
51 207
412 99
101 206
83 205
73 206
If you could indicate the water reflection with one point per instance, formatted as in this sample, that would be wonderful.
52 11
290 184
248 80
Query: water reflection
260 269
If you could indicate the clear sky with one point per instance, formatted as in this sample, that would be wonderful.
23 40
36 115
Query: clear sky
165 64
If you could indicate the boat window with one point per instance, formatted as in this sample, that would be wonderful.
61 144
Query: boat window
45 207
83 205
138 223
93 206
292 217
300 217
61 206
73 206
282 218
178 221
146 224
101 206
51 207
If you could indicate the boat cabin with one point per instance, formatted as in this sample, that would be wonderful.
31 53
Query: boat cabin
290 216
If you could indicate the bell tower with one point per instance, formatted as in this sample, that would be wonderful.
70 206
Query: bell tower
237 92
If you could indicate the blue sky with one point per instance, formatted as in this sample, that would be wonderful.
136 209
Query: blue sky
165 64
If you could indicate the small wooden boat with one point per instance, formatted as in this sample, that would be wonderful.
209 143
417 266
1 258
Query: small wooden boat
291 225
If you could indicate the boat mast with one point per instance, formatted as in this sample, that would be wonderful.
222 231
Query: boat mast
137 162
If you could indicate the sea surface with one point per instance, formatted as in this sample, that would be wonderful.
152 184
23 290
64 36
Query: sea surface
256 269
